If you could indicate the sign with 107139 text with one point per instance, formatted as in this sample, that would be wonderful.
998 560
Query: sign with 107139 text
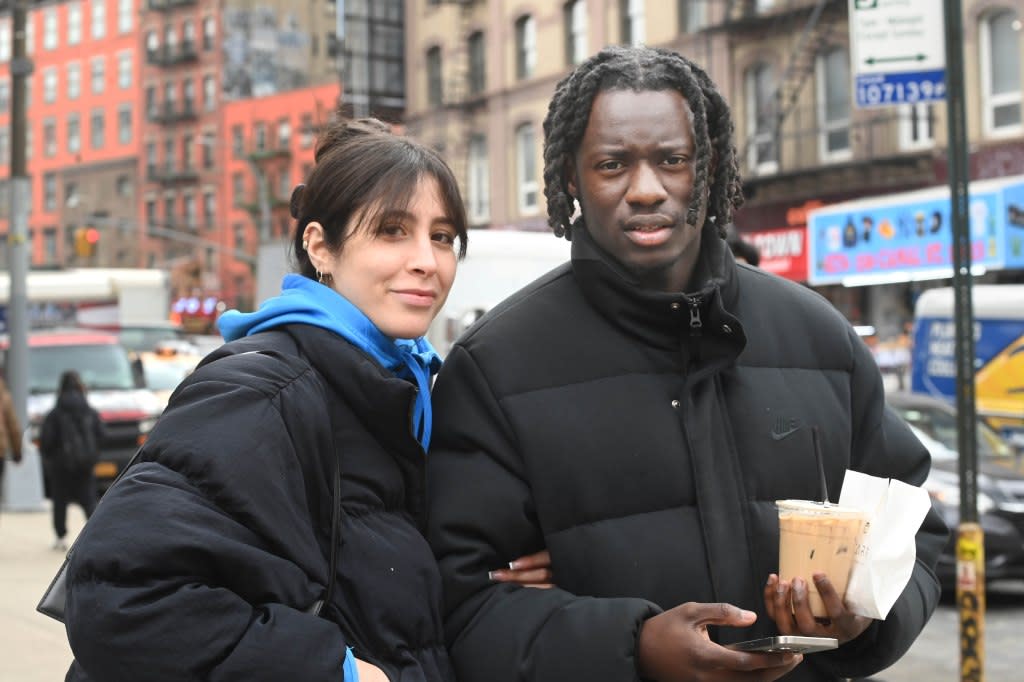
897 51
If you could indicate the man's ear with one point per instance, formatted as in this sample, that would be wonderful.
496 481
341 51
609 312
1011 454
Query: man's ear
570 175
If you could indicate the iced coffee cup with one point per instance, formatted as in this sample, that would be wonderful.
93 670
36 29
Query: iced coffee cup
818 538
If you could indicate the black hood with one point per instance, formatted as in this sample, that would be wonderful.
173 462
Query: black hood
73 401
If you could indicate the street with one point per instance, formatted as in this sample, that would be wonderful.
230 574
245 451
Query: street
33 648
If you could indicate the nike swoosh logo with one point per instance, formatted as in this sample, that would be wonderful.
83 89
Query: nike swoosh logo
779 435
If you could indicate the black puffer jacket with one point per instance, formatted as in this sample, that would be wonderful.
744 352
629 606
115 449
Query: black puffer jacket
642 437
202 562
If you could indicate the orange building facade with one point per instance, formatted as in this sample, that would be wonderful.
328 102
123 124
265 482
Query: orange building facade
83 118
268 145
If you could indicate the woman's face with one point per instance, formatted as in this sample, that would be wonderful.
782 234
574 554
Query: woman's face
399 271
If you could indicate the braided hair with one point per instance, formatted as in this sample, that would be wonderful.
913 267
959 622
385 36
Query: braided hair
641 69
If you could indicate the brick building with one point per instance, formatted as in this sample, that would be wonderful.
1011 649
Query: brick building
481 75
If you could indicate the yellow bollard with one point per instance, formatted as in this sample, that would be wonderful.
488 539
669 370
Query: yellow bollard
970 596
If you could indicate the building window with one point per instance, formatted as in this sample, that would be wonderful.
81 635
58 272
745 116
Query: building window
435 91
50 244
49 138
152 45
124 70
150 214
169 155
74 134
186 152
74 23
575 17
97 129
284 134
124 124
5 41
5 147
526 168
50 85
98 20
189 96
526 47
917 126
150 160
207 143
123 187
762 156
209 209
98 74
478 194
50 28
284 185
1001 73
307 131
239 230
170 219
190 212
633 22
170 38
477 64
151 111
260 137
170 94
49 191
237 141
238 189
833 91
5 92
693 15
74 80
209 93
188 32
209 32
124 16
71 196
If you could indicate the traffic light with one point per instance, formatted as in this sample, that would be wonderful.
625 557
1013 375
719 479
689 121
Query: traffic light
86 240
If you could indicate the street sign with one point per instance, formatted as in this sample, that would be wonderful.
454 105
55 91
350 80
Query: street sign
897 52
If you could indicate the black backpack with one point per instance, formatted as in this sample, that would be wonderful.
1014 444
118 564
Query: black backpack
78 451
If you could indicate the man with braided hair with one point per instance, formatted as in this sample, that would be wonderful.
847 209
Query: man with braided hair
636 413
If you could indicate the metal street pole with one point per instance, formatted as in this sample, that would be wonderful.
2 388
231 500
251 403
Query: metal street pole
24 494
970 587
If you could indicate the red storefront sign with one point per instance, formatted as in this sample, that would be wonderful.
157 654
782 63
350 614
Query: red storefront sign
783 251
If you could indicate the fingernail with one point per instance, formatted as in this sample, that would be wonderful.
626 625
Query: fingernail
490 575
747 614
799 588
769 580
512 565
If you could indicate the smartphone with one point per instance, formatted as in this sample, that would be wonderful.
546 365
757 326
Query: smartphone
786 644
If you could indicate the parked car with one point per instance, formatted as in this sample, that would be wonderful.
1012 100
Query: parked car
115 385
1000 483
166 367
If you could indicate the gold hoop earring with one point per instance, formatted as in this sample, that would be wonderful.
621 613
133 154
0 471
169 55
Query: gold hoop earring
319 277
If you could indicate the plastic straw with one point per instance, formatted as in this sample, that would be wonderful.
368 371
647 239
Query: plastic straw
821 465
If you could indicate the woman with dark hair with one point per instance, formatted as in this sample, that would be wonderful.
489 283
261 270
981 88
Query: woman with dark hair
69 445
211 558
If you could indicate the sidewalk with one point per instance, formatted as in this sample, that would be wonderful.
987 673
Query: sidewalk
33 648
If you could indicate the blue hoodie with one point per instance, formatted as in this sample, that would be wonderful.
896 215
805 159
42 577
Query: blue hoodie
303 301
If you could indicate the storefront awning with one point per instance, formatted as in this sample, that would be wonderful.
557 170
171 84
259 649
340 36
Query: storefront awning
908 236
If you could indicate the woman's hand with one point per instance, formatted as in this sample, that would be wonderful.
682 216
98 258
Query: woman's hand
368 672
532 570
787 604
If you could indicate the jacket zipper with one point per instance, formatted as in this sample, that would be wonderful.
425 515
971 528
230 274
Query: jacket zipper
695 322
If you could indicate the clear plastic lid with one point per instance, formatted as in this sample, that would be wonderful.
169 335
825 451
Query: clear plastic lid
812 507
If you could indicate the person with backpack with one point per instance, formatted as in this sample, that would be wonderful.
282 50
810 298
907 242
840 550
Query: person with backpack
69 444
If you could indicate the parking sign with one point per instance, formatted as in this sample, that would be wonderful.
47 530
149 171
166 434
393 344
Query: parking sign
897 51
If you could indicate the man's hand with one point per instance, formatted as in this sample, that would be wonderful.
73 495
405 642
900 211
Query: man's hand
787 604
674 647
532 570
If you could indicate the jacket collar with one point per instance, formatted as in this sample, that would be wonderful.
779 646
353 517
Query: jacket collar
699 319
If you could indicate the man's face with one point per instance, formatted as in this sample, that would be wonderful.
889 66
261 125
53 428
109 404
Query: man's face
633 176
